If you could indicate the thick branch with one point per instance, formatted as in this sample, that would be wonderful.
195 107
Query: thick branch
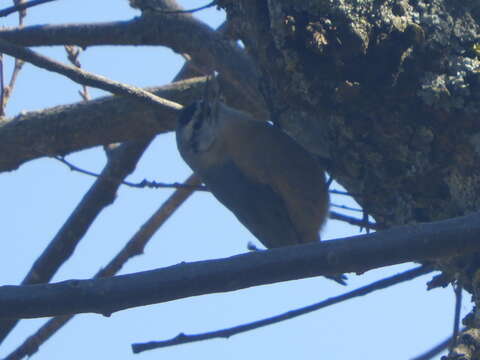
180 32
446 238
64 129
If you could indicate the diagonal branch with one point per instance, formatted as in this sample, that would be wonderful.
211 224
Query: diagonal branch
421 242
227 333
121 163
180 32
86 78
353 221
22 6
133 247
64 129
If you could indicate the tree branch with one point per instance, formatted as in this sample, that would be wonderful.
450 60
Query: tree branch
64 129
226 333
121 163
22 6
420 242
353 221
133 247
180 32
86 78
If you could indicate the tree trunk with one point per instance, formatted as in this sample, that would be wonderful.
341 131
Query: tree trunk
386 93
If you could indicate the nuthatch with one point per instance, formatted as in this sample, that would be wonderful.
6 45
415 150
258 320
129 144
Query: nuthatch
272 185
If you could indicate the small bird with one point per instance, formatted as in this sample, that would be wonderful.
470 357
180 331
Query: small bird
275 188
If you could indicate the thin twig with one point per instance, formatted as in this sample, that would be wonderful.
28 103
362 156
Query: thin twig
156 185
339 192
22 13
437 349
140 185
353 221
456 321
86 78
22 6
226 333
344 207
8 90
73 52
213 3
2 88
13 79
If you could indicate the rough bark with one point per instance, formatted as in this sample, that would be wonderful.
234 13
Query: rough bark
386 93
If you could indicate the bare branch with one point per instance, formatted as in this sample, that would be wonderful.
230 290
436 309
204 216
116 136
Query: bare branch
22 6
180 32
73 52
226 333
344 207
140 185
86 78
457 288
353 221
210 4
64 129
437 349
420 242
156 185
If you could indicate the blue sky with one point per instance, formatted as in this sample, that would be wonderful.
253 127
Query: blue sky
400 322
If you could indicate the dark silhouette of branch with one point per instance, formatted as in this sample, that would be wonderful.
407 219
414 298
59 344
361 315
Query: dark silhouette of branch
140 185
73 53
226 333
437 349
352 221
86 78
156 185
339 192
344 207
22 6
447 238
187 11
133 248
180 32
458 307
64 129
121 163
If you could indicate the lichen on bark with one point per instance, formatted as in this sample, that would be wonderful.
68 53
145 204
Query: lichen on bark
385 92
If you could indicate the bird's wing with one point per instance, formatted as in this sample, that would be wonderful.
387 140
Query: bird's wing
257 206
270 157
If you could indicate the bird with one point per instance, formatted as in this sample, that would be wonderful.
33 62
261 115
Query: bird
274 187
